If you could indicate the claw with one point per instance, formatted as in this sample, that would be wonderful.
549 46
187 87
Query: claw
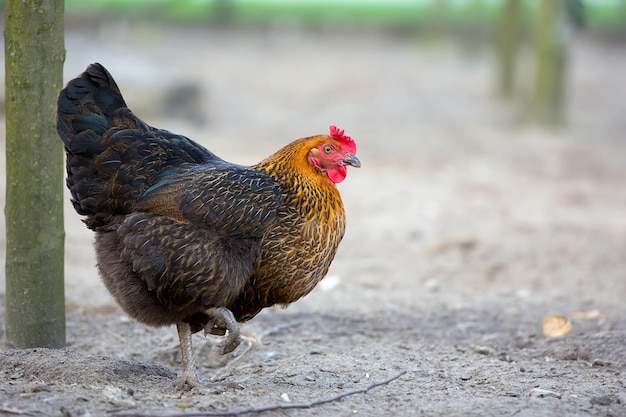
222 322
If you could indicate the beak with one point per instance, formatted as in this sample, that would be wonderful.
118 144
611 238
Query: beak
352 160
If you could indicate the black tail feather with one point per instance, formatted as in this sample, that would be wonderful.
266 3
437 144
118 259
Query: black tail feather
113 156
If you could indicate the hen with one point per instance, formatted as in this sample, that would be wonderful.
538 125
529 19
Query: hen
184 237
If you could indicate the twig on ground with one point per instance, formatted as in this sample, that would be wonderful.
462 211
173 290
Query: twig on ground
273 407
116 335
16 411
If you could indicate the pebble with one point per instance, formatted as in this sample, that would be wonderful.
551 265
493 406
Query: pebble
40 388
541 393
604 400
484 350
432 285
329 283
116 396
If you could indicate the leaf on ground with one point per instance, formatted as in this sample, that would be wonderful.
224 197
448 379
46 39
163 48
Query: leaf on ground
556 326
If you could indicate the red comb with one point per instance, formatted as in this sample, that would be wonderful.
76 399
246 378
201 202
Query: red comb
346 141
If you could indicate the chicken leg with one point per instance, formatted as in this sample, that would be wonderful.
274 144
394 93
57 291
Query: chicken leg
190 376
220 320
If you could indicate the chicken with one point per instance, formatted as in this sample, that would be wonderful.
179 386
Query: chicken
186 238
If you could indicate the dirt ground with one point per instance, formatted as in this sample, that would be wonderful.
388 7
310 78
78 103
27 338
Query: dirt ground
466 229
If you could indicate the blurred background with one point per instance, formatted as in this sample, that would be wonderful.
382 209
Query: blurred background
492 133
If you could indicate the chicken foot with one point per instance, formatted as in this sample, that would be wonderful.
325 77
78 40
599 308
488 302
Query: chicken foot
220 320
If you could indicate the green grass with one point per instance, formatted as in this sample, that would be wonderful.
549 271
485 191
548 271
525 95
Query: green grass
258 11
457 13
610 17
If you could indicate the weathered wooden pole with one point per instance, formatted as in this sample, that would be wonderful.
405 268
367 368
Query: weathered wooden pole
507 46
34 55
552 36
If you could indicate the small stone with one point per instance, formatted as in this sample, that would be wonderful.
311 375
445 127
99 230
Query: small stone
285 397
604 400
484 350
115 396
504 357
40 388
432 285
329 283
541 393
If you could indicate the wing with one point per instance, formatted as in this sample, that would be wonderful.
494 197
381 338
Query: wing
184 266
107 176
195 235
233 200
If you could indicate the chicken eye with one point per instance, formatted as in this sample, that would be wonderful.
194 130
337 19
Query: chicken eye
328 149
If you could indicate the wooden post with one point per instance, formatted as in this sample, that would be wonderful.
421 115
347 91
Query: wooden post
507 43
552 35
34 56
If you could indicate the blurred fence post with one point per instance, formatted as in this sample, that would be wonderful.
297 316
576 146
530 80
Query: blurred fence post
223 12
507 43
34 56
552 35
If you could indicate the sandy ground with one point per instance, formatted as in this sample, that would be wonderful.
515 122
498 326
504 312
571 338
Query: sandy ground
466 228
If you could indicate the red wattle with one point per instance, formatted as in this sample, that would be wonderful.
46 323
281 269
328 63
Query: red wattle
338 174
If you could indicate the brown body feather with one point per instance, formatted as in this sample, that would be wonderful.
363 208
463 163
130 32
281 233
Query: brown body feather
296 252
